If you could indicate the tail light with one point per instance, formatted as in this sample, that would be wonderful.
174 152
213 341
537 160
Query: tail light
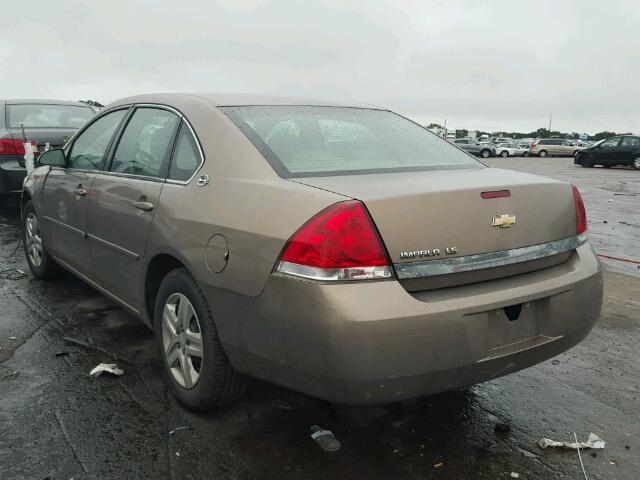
534 145
9 146
340 243
581 216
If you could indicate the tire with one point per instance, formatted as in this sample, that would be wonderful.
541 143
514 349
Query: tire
635 164
587 163
504 154
542 153
217 382
575 153
485 153
525 154
41 264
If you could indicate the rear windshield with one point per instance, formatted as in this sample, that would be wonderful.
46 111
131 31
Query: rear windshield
47 116
304 141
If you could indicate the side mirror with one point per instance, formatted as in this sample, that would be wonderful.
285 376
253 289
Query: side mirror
54 158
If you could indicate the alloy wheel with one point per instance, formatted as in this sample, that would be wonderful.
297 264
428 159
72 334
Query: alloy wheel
33 240
182 340
636 163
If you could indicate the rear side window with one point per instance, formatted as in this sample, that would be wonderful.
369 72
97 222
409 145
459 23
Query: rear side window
301 141
186 156
144 146
630 141
89 148
47 116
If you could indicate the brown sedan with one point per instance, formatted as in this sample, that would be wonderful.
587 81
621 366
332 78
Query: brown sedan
339 250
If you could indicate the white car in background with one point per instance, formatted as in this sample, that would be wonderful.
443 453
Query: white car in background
511 150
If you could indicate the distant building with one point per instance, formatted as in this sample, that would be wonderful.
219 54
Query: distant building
584 136
472 134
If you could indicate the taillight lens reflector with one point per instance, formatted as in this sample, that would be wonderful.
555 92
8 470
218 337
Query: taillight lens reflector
581 215
340 243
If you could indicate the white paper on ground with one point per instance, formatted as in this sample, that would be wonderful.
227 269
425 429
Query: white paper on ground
593 441
111 368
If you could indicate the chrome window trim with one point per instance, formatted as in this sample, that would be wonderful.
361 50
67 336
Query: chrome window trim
481 261
181 116
200 151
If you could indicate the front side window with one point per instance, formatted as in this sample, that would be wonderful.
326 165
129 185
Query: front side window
47 116
89 148
303 141
144 146
611 142
186 156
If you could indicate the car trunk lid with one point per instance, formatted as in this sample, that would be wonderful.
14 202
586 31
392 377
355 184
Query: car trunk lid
438 215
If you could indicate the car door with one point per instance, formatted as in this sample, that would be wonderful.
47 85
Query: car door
627 150
124 199
66 189
606 152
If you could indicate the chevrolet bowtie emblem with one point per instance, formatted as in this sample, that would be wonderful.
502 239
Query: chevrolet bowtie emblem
503 220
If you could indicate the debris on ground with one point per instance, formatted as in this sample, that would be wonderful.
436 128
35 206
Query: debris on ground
177 429
12 274
502 427
555 362
91 346
279 405
61 354
13 338
111 368
13 375
593 441
439 465
515 475
325 438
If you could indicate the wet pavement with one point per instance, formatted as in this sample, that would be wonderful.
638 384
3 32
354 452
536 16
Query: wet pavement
56 422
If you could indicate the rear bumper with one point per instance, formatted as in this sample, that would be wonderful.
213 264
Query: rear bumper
11 174
375 342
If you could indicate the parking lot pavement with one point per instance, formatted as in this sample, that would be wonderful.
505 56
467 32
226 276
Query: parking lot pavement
612 200
57 422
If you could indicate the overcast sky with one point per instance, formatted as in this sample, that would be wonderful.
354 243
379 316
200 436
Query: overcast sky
500 67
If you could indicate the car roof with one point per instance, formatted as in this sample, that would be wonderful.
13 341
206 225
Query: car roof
240 99
42 101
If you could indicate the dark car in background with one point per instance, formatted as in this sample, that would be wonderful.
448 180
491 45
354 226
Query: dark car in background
620 150
483 150
42 122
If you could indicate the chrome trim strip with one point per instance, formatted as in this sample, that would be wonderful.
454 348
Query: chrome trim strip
481 261
113 246
62 224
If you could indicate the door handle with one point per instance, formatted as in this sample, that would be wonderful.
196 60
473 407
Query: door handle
80 192
144 206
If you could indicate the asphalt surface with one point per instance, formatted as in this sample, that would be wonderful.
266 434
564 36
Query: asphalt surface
56 422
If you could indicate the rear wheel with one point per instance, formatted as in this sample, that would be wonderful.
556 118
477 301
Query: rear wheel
543 153
636 163
196 367
504 154
40 263
485 153
525 154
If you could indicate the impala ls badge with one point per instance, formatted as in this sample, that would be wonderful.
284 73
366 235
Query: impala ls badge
503 220
434 252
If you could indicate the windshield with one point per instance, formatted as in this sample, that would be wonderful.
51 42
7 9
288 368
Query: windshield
47 116
301 141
